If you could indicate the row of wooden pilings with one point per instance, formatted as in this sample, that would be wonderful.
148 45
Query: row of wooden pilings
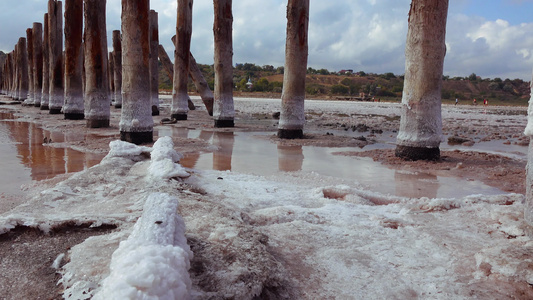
84 80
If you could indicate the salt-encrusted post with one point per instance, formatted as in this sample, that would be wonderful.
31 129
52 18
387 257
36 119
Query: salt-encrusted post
16 67
136 123
11 66
97 110
37 63
29 39
292 116
111 75
22 63
45 94
74 102
14 76
420 131
528 212
154 62
117 61
55 24
223 109
180 97
12 59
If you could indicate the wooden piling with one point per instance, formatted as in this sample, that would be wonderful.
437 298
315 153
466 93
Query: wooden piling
136 123
97 112
74 102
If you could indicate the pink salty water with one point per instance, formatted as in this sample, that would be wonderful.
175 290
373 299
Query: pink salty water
25 156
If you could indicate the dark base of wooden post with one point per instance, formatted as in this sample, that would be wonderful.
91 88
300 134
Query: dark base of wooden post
417 153
37 104
118 105
44 107
155 110
55 111
137 138
191 105
74 116
179 117
290 133
97 123
224 123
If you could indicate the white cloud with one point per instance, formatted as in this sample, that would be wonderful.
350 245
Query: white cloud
488 48
343 34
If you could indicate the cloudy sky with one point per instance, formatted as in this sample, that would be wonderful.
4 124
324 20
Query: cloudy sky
490 38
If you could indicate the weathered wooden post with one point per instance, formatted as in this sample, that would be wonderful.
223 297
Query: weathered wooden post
29 38
111 75
136 123
180 96
292 116
55 24
22 62
97 110
74 102
223 109
9 74
528 212
117 76
420 131
11 59
45 94
154 63
37 63
15 82
201 85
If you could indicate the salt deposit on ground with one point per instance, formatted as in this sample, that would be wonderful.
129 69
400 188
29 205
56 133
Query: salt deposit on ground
293 235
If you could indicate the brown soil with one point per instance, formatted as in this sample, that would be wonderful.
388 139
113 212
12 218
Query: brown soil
27 256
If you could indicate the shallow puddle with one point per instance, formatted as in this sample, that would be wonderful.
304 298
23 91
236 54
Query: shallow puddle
247 152
27 154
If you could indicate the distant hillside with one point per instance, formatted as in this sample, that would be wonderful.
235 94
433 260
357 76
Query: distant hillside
268 81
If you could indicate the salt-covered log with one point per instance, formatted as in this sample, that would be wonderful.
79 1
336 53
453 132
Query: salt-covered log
55 31
37 63
45 92
97 110
180 97
420 131
223 108
292 116
136 123
74 102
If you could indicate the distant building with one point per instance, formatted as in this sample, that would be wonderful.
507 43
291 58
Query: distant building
348 71
249 84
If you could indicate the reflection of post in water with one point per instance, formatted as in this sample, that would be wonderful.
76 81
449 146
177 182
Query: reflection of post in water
35 145
57 162
290 158
19 133
415 185
190 159
222 157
